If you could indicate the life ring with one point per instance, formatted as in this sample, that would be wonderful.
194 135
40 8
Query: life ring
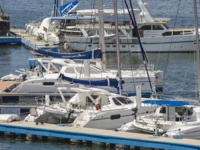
58 32
98 106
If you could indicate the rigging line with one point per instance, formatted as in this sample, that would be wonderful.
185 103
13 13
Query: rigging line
167 61
92 7
187 71
136 31
129 52
145 59
159 54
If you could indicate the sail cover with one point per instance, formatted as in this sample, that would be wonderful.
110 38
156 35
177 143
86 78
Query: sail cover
165 102
68 7
103 82
93 54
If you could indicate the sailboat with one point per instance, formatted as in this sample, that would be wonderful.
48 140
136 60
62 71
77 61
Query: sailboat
190 129
128 82
173 118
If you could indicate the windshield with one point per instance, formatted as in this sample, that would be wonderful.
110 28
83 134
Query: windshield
92 70
123 100
166 26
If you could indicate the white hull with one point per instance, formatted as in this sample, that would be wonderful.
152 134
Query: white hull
44 85
189 130
104 121
154 44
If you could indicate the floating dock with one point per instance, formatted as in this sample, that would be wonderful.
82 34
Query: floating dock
96 135
21 36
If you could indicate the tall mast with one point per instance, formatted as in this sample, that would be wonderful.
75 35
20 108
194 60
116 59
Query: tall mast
117 44
197 44
101 34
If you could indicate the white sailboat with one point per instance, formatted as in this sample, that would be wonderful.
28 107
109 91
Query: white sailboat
45 78
174 117
190 129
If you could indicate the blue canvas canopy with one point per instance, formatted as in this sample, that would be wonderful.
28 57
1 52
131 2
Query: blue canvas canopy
82 55
73 17
103 82
166 102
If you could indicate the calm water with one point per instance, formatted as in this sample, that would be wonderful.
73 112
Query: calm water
179 79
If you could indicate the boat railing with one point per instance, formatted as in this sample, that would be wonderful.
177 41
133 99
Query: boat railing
150 67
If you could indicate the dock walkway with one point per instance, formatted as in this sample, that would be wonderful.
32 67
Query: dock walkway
97 135
29 40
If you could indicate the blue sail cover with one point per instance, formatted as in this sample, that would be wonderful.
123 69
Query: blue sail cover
103 82
68 7
74 17
82 55
166 102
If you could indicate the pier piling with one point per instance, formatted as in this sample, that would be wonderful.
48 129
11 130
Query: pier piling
89 143
23 136
112 145
103 145
127 147
34 137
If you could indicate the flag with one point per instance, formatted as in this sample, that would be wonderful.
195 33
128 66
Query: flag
68 7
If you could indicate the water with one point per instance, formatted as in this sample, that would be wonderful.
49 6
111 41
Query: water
179 79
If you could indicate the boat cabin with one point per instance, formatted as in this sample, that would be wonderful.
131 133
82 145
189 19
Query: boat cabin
170 113
4 23
93 98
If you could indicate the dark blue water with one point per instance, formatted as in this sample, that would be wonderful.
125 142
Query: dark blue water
179 80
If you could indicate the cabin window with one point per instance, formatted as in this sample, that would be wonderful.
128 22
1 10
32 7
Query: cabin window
89 45
124 100
89 102
188 32
48 83
178 33
123 46
79 69
157 27
166 26
146 27
94 70
116 101
163 110
117 116
45 29
107 45
69 70
167 34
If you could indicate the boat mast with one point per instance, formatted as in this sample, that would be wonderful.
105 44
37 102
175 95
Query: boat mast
197 44
101 34
55 8
117 44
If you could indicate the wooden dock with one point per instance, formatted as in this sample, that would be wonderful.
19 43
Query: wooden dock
96 135
5 84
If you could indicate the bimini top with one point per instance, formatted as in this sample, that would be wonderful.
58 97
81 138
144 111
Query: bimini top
166 102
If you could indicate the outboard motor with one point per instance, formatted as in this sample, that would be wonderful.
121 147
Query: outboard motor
23 77
135 110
